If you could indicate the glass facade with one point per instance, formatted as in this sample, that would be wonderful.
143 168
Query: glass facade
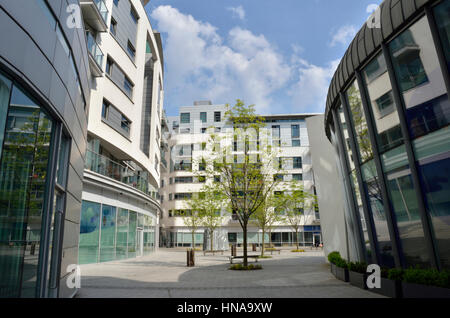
108 233
416 103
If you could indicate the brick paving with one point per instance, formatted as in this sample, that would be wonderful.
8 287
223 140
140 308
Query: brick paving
164 274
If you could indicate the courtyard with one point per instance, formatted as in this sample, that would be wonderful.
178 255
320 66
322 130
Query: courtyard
164 274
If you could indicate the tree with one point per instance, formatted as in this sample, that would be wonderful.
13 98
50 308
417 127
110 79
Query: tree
247 174
295 202
209 203
265 217
192 218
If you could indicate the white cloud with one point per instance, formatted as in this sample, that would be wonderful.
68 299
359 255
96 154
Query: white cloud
343 35
200 64
238 12
309 92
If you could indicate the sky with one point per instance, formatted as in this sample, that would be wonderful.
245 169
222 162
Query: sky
278 55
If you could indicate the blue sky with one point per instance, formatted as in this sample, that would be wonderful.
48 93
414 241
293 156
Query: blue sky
279 55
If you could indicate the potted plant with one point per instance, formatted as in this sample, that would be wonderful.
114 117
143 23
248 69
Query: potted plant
425 283
357 274
339 269
332 258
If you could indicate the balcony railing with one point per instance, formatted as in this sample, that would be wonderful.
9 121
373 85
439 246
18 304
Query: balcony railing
114 170
95 50
102 9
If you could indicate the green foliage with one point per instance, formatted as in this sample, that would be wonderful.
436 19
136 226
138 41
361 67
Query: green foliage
265 256
297 251
241 267
427 277
359 267
336 259
395 274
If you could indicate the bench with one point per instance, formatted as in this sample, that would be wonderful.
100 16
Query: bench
273 250
248 256
213 252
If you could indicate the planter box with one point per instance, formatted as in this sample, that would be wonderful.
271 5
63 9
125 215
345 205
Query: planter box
357 279
333 269
342 274
389 288
411 290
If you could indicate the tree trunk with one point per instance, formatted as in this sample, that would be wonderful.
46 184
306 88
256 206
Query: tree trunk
211 236
244 229
262 246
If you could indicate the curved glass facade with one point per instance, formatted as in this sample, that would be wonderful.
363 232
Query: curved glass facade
394 123
109 233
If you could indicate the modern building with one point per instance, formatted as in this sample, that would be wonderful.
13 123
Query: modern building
44 100
120 201
388 115
187 136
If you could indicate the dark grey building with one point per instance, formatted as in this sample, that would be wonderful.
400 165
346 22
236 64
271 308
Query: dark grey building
388 113
44 96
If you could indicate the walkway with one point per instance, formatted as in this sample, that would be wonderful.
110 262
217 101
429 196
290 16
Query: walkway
164 274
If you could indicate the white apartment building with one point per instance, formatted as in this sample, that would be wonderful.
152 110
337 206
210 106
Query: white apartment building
186 134
120 200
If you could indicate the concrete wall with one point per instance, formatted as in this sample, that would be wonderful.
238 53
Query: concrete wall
329 188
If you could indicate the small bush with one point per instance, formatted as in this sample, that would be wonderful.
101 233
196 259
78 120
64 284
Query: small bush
333 256
430 277
359 267
240 267
265 256
297 250
395 274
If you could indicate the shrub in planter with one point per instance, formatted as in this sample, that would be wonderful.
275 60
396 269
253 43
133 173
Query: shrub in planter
425 283
341 271
357 274
241 267
389 287
333 256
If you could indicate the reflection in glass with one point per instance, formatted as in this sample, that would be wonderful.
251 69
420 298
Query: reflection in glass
442 14
372 187
355 188
5 90
433 154
346 137
89 232
122 234
108 233
23 171
132 234
359 123
382 105
405 206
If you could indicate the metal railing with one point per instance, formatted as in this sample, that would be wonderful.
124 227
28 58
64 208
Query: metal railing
124 174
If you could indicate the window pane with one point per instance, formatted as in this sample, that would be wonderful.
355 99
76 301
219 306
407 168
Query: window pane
382 105
372 187
89 232
5 89
295 131
185 118
442 14
405 207
108 233
23 172
359 123
419 76
346 138
132 234
203 117
122 234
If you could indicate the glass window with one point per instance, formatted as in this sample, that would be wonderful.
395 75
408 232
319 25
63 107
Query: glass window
295 131
61 170
89 232
132 234
128 86
125 124
108 233
405 206
105 109
442 13
134 15
217 117
420 78
346 137
46 10
23 174
122 234
131 50
297 177
5 90
359 123
297 162
185 118
113 26
295 142
203 117
109 65
62 40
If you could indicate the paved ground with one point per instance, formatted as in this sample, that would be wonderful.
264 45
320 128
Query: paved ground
164 274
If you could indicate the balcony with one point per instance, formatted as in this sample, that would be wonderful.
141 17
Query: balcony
95 56
95 13
124 174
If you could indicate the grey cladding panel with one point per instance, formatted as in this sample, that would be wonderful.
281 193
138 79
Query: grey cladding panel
397 15
386 24
409 8
126 28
